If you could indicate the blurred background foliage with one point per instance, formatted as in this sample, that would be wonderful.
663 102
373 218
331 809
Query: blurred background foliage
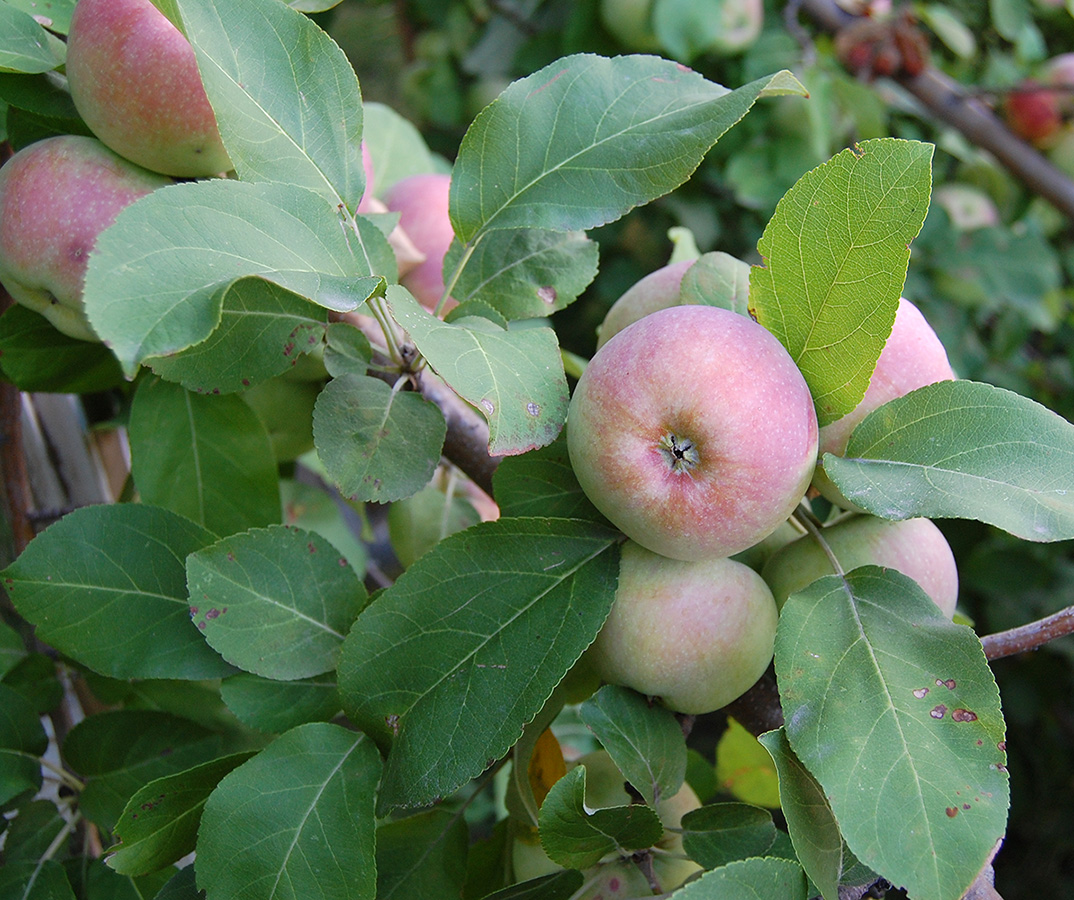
992 268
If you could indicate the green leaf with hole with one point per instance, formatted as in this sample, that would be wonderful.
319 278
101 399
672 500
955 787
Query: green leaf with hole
835 254
962 449
644 740
376 443
299 814
513 377
587 138
106 585
205 457
285 96
276 601
448 664
892 707
156 279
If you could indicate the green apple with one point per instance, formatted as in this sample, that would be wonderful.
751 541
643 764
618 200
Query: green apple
657 290
915 547
134 80
693 431
56 196
697 635
631 23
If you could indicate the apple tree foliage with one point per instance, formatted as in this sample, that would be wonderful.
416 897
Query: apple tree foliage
305 737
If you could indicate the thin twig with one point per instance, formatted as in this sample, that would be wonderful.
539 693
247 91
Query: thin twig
1029 637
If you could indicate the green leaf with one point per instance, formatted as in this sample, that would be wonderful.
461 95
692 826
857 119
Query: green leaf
264 330
577 839
119 752
276 601
295 821
464 648
586 139
376 443
744 769
718 834
40 880
525 272
558 886
277 706
893 707
91 878
106 585
418 523
22 743
515 378
812 827
159 824
181 886
395 146
156 279
717 279
541 482
644 740
347 351
205 457
37 357
423 855
32 830
24 45
961 449
12 649
285 96
315 508
834 269
749 879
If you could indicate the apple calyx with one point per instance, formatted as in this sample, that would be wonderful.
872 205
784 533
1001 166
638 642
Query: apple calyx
679 452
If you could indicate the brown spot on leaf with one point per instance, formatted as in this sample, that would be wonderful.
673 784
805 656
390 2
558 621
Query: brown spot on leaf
938 712
921 692
951 811
964 715
949 683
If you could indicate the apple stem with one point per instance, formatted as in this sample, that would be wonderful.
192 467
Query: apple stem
804 517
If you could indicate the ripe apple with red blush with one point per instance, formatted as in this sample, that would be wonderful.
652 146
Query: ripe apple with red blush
56 196
134 80
693 432
422 204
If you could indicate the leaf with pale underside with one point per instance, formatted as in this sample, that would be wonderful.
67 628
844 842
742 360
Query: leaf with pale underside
962 449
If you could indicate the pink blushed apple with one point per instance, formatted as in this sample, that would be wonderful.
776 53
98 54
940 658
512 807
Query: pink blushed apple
134 80
693 431
915 547
56 196
695 634
657 290
422 204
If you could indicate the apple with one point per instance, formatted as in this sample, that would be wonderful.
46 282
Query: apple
657 290
915 547
1032 112
631 23
695 634
912 358
134 80
422 203
693 432
56 196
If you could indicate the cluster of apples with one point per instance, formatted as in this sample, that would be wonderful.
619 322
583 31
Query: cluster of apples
693 431
134 80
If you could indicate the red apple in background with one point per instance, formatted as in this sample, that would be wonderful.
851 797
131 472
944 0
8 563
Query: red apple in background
657 290
134 80
56 196
1032 112
695 634
915 547
912 357
422 204
693 431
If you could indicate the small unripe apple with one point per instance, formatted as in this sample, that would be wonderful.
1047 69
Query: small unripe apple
657 290
422 204
915 547
56 196
695 634
631 23
134 80
693 431
912 358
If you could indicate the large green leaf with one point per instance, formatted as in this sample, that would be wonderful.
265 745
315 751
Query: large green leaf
296 821
962 449
205 457
285 96
376 443
423 855
159 824
156 279
22 743
586 139
106 585
892 707
276 602
450 662
644 740
542 483
759 878
514 377
835 256
577 838
25 46
278 706
720 833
